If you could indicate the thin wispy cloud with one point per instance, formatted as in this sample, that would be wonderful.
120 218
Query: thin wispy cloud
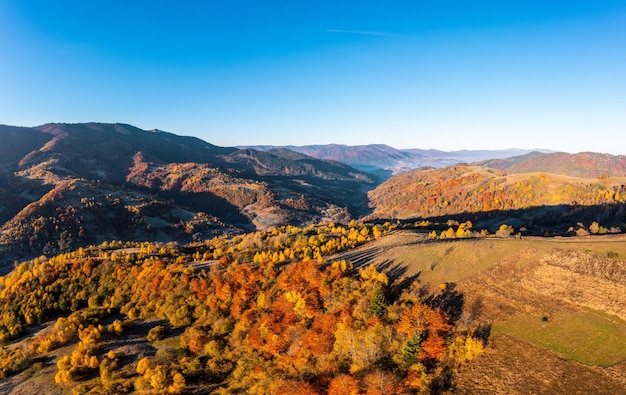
361 32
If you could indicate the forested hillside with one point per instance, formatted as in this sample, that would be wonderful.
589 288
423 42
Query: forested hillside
258 313
70 185
540 202
583 164
164 264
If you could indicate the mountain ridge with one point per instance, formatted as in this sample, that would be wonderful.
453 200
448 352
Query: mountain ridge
385 161
542 203
75 184
582 164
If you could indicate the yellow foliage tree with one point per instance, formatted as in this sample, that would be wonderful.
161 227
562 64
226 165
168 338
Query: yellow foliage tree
370 273
63 377
143 365
464 349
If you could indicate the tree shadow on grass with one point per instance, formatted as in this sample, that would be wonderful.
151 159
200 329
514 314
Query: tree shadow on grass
558 220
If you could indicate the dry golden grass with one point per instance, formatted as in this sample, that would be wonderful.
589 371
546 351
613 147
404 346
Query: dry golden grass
570 281
510 366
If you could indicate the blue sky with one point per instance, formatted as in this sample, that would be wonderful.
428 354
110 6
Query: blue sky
411 74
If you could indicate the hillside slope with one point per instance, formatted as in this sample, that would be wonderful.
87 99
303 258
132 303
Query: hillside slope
250 314
357 308
19 141
554 307
67 185
584 164
536 201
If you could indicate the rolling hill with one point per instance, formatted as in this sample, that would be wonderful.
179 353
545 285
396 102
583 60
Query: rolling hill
542 203
538 315
70 185
583 164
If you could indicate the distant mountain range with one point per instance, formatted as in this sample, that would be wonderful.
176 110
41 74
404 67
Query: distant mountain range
385 161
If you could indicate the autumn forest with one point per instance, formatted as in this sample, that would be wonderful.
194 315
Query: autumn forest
258 313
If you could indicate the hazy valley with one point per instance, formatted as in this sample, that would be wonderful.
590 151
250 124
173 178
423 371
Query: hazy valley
384 161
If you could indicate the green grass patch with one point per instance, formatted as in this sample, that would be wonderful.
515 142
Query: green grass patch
591 337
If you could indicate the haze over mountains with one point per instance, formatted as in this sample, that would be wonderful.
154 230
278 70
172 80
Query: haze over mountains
385 161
